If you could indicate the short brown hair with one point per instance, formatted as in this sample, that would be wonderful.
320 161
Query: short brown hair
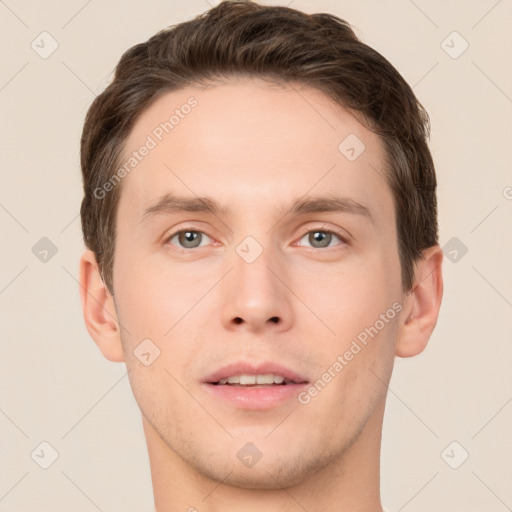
243 38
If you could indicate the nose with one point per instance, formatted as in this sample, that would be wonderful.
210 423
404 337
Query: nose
256 296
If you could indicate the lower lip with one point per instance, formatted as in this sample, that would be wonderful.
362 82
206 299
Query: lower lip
253 398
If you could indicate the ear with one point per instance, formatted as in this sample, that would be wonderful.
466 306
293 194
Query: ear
99 310
422 305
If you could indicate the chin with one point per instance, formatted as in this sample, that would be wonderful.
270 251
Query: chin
274 473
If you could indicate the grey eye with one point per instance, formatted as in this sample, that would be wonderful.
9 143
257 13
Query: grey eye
319 238
188 238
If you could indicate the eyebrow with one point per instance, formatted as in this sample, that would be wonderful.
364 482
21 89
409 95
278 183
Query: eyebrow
170 203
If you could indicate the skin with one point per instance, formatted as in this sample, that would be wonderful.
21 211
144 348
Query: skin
255 147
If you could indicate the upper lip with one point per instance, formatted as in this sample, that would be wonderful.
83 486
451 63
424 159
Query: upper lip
254 368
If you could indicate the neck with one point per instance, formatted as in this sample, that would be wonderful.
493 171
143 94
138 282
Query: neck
349 483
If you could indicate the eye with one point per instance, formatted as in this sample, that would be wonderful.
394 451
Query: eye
321 238
191 238
188 238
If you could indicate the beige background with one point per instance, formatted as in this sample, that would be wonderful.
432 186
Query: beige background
55 385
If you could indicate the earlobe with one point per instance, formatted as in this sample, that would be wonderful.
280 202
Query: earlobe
98 309
423 304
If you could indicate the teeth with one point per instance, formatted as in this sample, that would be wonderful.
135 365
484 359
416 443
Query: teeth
248 380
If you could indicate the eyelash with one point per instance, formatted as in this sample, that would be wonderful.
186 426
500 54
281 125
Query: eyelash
321 229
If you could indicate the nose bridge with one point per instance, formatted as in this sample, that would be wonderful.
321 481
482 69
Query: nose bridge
255 257
257 247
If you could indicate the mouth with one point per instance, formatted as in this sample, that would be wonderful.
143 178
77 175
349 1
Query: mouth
254 386
245 373
255 381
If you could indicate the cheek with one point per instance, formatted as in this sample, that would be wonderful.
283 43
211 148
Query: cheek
353 294
150 294
360 305
161 301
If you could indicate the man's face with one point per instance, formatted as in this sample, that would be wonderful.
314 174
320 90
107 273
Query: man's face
257 282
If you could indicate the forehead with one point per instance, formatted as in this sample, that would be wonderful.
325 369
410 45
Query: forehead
251 142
